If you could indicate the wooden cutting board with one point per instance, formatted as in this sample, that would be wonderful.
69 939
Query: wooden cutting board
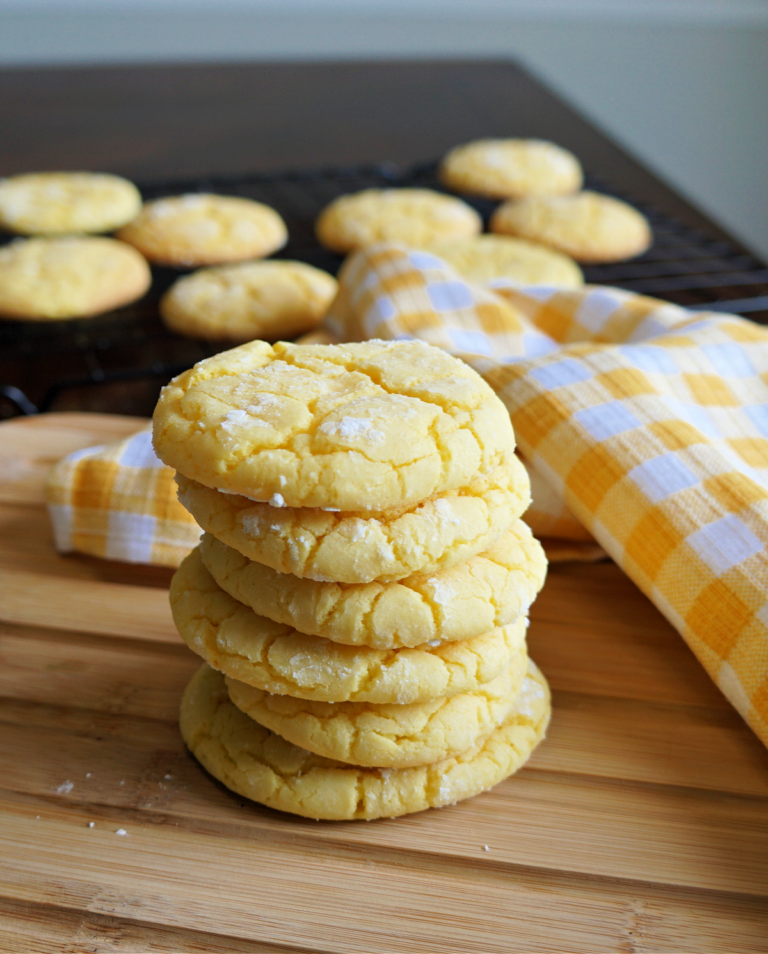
641 824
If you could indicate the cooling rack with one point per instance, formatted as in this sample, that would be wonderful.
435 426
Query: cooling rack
118 362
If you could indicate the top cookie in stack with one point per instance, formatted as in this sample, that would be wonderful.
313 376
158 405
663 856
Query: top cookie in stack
364 582
374 427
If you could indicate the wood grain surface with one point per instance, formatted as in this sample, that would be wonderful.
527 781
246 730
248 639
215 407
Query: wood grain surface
640 825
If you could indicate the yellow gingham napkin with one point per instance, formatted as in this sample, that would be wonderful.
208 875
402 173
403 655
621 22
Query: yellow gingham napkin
644 426
648 421
119 502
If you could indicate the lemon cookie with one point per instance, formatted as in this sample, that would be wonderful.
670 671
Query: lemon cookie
202 229
53 203
486 591
71 277
412 216
590 227
386 736
356 427
274 657
251 300
511 169
360 548
485 258
256 763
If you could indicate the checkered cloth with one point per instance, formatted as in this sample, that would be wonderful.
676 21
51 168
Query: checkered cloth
649 422
644 426
119 502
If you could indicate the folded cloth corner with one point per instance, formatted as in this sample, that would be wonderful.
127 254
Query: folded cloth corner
118 502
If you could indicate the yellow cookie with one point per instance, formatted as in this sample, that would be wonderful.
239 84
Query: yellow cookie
202 229
54 203
258 764
360 548
275 658
251 300
511 169
72 277
488 590
589 227
357 427
386 736
486 258
412 216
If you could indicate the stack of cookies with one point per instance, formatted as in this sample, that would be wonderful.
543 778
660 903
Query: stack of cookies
360 594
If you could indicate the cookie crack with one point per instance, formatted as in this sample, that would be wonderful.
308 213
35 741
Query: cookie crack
375 377
359 796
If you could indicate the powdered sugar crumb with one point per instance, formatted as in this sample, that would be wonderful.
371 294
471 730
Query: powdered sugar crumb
233 419
65 787
351 428
442 593
277 500
250 416
446 512
446 791
121 831
359 529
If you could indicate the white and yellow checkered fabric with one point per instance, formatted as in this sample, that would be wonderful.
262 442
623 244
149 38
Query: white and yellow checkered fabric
648 421
644 426
119 502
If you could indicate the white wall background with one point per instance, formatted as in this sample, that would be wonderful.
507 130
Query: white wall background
682 83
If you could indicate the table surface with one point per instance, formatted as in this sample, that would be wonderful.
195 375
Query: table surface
639 826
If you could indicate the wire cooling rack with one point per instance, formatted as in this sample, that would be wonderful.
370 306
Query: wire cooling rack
117 362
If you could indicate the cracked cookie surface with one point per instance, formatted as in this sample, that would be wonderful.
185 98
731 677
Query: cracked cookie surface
354 427
411 216
489 258
511 168
590 227
388 736
256 763
204 229
488 590
278 659
358 547
55 203
249 300
44 279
